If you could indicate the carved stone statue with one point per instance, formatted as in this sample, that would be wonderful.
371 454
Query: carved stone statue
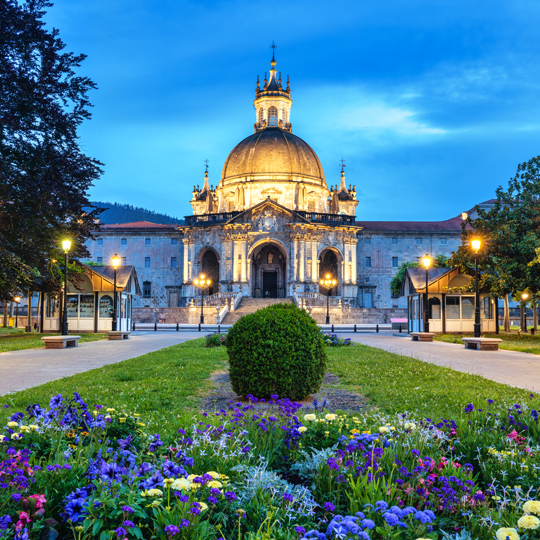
268 222
270 257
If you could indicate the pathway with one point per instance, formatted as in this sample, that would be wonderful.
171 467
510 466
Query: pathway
24 369
509 367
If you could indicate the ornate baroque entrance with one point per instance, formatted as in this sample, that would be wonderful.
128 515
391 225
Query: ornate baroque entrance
269 272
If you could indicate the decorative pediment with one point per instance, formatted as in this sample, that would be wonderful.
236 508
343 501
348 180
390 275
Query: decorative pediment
267 216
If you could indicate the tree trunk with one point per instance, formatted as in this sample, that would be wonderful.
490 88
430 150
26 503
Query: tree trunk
496 301
506 314
535 316
11 306
29 322
5 321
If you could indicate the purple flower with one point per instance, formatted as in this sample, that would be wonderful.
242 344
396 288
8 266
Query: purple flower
21 535
128 524
184 524
230 496
422 517
212 500
183 498
367 524
469 408
4 522
121 532
288 497
300 530
56 401
391 519
172 530
127 509
16 496
329 507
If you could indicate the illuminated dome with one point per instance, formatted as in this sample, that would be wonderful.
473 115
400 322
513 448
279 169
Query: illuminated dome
273 153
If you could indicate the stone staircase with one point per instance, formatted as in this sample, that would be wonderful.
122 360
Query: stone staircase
251 305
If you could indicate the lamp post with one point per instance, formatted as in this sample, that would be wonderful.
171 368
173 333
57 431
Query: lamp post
116 263
17 299
202 282
328 282
476 243
426 261
524 297
66 245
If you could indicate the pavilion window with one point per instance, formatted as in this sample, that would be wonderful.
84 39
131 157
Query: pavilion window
467 307
272 117
486 308
452 307
106 307
434 308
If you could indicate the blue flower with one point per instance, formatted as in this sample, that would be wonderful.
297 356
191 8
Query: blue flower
422 517
4 522
391 519
469 408
56 401
367 524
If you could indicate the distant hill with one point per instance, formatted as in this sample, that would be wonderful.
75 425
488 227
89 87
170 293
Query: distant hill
126 213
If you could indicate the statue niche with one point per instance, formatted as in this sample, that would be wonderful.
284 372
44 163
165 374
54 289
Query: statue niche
269 272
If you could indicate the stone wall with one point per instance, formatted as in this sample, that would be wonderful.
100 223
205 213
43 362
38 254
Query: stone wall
358 315
174 315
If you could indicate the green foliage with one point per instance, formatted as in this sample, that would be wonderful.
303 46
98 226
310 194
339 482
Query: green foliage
277 350
216 340
440 261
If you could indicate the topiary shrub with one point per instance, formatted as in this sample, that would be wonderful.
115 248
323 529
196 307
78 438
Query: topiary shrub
278 350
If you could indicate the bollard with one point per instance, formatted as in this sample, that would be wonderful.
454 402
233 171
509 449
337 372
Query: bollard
355 328
199 327
377 329
155 327
219 329
400 328
332 329
177 327
133 326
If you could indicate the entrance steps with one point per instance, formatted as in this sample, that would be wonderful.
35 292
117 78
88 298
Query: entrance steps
251 305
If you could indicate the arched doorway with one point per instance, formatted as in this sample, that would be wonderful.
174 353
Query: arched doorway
210 268
329 263
269 271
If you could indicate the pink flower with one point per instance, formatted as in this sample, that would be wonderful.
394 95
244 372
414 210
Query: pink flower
24 518
40 500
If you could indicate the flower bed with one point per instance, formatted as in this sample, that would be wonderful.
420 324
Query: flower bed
79 471
333 340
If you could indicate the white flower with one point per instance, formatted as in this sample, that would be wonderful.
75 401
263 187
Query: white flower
302 429
310 417
181 484
330 417
383 429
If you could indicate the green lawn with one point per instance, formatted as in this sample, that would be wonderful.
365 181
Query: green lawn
511 342
165 385
16 341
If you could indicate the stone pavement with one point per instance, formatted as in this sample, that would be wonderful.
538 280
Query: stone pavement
24 369
509 367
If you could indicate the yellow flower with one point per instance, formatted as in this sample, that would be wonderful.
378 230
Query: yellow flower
192 476
302 429
144 493
168 481
532 507
310 417
410 426
110 410
95 413
16 436
215 484
383 429
155 503
327 433
122 420
204 506
154 492
136 415
330 417
33 427
528 522
214 474
509 532
181 484
12 425
3 438
24 429
141 424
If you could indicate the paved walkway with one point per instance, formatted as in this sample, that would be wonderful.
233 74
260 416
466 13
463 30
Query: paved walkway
24 369
509 367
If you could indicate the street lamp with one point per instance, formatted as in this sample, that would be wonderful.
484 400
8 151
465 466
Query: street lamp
202 282
328 283
476 243
66 245
17 299
116 263
524 297
426 261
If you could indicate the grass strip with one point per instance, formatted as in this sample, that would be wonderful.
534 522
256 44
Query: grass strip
510 341
30 340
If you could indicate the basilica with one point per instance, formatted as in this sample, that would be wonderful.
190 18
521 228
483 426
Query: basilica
272 227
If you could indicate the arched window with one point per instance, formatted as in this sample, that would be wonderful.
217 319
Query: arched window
261 115
434 308
105 307
272 117
284 115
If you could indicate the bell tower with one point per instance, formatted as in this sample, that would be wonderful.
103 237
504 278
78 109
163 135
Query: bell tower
272 102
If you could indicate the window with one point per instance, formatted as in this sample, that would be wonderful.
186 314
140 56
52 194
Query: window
87 306
124 260
272 117
394 262
467 307
123 241
147 241
261 115
367 240
452 307
284 115
174 262
73 306
52 306
174 241
434 308
394 241
100 260
106 307
486 308
368 262
146 288
100 241
444 241
147 262
418 241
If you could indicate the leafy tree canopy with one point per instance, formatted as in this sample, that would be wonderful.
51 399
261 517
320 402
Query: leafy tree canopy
44 175
440 261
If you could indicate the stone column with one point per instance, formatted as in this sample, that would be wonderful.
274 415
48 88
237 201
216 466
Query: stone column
354 268
314 262
301 259
244 259
186 261
293 258
346 254
235 260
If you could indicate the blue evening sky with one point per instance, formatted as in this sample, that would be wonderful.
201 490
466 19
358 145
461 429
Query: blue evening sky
431 103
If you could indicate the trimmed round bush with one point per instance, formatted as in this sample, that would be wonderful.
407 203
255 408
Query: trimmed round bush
278 350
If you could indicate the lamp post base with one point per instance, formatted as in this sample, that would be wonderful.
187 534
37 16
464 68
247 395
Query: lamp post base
426 326
65 330
327 319
202 319
476 330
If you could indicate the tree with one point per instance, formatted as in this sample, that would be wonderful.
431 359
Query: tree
510 234
439 261
44 175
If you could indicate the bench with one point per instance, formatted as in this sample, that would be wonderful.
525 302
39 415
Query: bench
118 334
422 336
482 343
60 342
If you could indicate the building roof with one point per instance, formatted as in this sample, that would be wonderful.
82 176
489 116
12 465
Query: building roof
124 277
138 225
273 151
450 225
